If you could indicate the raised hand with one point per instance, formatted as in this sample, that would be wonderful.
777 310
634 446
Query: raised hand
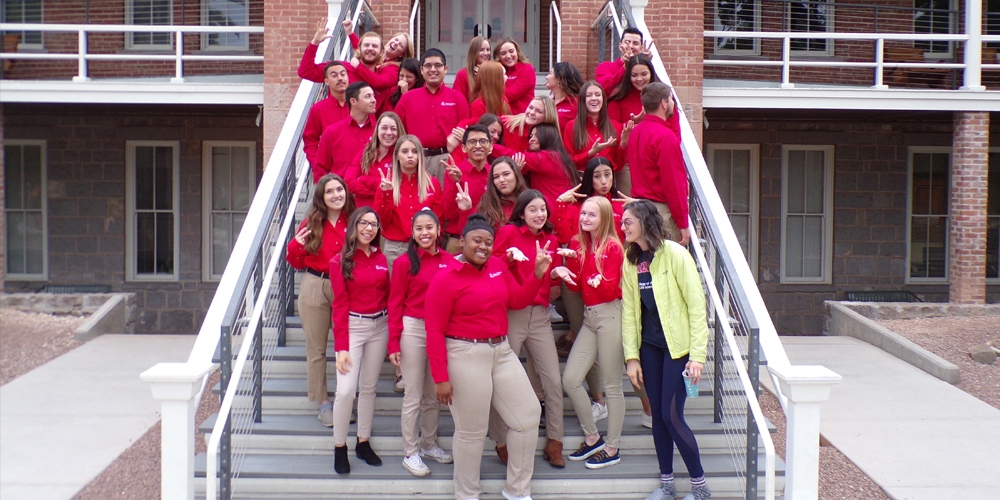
601 146
595 280
321 32
463 199
519 159
403 86
515 254
564 274
647 48
623 199
570 195
453 171
567 253
543 259
636 118
626 133
348 25
302 235
386 184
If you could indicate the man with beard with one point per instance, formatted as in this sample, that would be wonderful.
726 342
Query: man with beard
365 67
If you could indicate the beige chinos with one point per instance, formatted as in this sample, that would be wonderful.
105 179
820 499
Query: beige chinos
315 309
484 377
599 339
669 224
368 345
419 400
392 250
573 301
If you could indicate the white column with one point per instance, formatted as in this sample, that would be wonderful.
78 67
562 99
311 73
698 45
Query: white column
333 8
176 385
973 46
806 387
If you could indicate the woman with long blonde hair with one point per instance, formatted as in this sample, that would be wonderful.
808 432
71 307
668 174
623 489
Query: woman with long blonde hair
518 127
363 173
480 51
488 92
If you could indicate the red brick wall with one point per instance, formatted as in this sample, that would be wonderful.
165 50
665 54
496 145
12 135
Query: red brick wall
579 41
967 242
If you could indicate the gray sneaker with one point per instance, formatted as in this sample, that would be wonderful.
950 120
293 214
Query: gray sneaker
700 492
326 414
662 493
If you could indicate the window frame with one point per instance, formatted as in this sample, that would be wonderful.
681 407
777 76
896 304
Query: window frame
830 28
130 212
909 215
223 48
717 24
21 45
753 243
130 36
952 28
206 189
991 21
990 151
44 275
828 171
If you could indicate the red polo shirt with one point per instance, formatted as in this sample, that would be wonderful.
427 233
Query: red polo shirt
566 218
321 115
546 170
333 241
461 84
516 139
339 145
471 303
611 266
657 165
622 110
363 186
478 180
524 240
478 109
615 154
520 86
397 220
406 298
367 293
566 109
609 74
384 81
432 116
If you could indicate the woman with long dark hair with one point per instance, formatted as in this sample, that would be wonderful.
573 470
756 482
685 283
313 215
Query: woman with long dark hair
363 174
409 78
320 237
664 336
502 191
547 163
593 133
359 276
625 102
564 81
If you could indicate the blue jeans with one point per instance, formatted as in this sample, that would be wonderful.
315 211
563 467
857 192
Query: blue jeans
665 387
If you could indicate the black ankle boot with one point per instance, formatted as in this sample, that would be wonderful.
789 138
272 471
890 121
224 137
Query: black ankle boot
365 452
340 462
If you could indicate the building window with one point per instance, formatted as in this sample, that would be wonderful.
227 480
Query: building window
737 15
928 214
150 13
991 24
229 183
934 17
806 214
815 16
25 206
736 173
225 13
152 181
993 218
22 11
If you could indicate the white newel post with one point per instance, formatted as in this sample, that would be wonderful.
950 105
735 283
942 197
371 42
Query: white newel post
333 8
806 387
176 385
639 14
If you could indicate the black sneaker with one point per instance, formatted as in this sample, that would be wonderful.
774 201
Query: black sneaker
584 451
602 459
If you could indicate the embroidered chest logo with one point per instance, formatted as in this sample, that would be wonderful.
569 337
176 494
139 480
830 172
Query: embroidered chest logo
381 268
442 266
494 275
448 103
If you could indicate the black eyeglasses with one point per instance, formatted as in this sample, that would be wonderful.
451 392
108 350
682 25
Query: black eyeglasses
433 66
481 142
363 224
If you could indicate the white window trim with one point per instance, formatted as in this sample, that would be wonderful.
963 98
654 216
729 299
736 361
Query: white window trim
952 28
21 45
206 199
909 214
44 276
754 150
830 28
129 37
738 52
991 151
130 231
828 167
204 36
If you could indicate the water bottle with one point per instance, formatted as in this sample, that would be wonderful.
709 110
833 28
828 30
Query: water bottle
689 385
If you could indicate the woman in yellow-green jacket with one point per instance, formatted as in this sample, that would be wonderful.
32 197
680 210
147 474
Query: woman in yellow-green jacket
664 333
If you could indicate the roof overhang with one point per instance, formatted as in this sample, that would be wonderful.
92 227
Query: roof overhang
130 92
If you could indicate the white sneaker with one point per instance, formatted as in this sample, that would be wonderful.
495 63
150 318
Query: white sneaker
554 315
441 456
647 421
598 411
508 496
415 465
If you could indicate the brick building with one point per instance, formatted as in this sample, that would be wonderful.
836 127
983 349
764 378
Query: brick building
134 174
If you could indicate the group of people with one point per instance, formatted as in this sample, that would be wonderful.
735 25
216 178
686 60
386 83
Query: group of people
446 221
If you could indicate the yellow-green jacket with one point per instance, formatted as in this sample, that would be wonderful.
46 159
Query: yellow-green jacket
680 300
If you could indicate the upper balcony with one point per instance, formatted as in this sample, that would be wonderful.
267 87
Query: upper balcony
891 54
132 51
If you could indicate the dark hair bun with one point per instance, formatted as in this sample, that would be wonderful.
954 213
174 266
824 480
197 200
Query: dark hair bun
477 221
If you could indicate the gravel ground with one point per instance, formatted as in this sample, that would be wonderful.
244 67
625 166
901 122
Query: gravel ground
29 340
951 338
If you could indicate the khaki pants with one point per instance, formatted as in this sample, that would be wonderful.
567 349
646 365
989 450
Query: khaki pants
315 299
485 377
623 180
600 339
454 245
393 249
368 345
573 301
532 328
669 225
435 167
419 400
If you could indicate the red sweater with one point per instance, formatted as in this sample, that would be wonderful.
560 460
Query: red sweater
333 241
478 181
406 298
524 240
609 74
611 264
520 87
621 111
397 220
321 115
657 165
566 109
432 116
615 154
547 172
367 293
340 144
566 217
471 303
363 186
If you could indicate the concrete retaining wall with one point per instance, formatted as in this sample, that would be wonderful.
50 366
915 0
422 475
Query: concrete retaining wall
108 312
916 310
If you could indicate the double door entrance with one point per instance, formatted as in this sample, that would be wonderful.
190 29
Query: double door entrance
452 24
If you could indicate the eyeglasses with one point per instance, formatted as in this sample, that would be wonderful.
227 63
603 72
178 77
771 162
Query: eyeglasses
627 223
430 66
480 142
363 224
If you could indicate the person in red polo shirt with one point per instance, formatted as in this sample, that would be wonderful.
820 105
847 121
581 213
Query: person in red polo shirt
592 133
327 111
564 82
520 74
342 141
506 184
610 73
396 50
466 182
625 102
471 360
363 174
658 171
433 111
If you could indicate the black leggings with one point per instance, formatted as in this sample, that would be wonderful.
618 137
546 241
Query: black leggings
665 387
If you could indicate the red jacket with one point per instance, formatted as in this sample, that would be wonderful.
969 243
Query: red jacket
566 218
397 220
615 154
363 186
657 165
321 115
406 297
524 240
478 181
367 293
339 145
520 87
432 116
333 241
611 266
471 303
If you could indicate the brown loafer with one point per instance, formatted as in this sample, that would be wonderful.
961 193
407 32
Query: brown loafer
553 453
502 453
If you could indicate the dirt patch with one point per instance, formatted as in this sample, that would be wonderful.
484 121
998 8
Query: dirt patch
29 340
951 338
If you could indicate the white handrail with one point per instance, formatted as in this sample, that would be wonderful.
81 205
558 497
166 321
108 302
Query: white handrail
415 21
555 20
130 28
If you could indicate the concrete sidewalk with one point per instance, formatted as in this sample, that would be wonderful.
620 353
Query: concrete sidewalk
64 422
918 437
